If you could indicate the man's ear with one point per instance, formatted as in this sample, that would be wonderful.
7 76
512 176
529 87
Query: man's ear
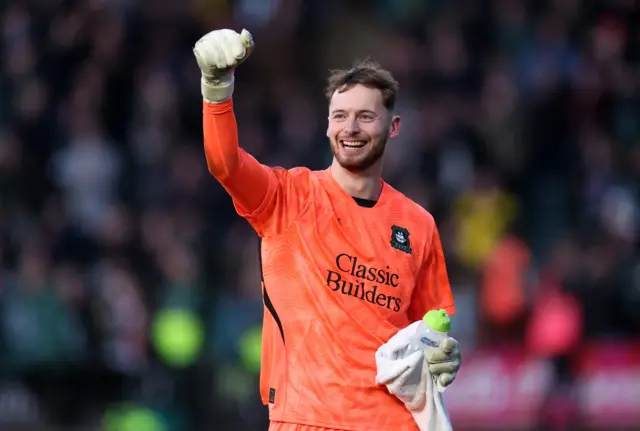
394 126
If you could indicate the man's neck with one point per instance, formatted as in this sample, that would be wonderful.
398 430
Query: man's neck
363 185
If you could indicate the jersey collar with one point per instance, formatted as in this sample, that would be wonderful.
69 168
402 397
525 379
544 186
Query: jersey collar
337 188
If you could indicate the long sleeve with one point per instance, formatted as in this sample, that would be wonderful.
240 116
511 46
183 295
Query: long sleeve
269 198
244 178
432 290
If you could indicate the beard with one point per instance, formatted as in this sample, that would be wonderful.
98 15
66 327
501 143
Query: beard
363 160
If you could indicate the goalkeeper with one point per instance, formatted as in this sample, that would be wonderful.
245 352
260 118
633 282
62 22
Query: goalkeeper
347 260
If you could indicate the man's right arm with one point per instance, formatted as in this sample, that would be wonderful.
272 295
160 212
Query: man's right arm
268 198
244 178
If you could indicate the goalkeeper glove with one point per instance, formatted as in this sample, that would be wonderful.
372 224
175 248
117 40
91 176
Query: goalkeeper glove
218 53
444 362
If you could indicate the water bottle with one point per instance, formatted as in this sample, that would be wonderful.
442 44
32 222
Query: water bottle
432 329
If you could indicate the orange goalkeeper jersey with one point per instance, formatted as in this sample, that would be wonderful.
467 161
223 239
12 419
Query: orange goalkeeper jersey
339 280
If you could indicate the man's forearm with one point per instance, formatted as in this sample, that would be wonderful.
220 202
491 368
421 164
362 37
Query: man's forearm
246 180
220 139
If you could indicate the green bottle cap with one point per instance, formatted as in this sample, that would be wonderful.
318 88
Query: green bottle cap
438 320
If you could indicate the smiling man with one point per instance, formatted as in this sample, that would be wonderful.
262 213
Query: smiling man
347 260
360 123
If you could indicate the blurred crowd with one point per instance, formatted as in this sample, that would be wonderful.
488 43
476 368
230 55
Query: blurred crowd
521 135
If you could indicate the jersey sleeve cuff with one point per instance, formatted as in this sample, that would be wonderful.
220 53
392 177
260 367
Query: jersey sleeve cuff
217 108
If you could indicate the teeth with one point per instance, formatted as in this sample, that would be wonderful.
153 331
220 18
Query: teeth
353 144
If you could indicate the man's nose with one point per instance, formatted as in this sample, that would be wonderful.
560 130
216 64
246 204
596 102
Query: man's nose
352 126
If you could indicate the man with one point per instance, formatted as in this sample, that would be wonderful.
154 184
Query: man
347 261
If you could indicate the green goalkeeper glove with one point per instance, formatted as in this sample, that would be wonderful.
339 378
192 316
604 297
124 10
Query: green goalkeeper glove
218 53
445 361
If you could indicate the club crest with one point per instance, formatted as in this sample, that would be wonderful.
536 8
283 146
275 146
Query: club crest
400 239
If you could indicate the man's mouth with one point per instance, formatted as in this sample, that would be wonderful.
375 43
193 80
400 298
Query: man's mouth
348 143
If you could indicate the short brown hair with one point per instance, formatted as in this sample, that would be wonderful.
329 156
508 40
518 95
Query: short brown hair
369 74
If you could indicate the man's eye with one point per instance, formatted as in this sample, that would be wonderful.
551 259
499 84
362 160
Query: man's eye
338 116
367 117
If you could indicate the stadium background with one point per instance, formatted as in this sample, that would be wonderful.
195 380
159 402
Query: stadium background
521 135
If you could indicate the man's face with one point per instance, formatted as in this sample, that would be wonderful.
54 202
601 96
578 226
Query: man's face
359 127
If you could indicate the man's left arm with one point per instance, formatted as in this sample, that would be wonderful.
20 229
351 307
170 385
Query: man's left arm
433 292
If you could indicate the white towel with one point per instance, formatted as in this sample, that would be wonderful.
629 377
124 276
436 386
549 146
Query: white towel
408 377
